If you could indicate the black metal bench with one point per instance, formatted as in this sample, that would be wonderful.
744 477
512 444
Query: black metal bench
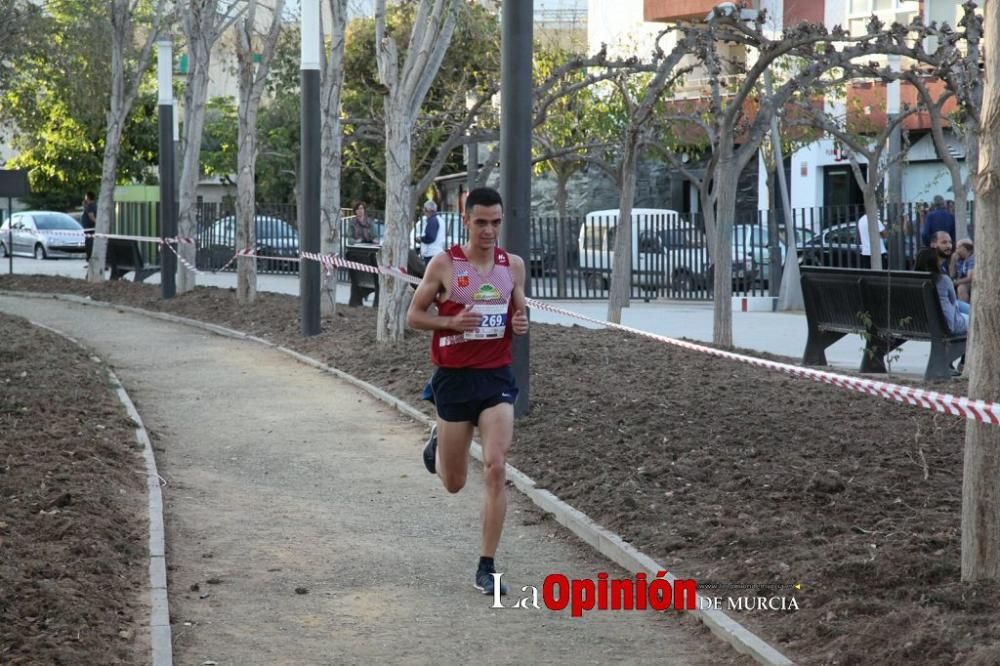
887 308
124 256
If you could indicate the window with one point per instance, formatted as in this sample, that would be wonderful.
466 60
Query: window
859 12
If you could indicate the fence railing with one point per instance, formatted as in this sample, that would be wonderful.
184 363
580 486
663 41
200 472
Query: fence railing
572 257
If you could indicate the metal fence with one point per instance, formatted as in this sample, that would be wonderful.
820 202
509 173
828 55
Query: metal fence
572 258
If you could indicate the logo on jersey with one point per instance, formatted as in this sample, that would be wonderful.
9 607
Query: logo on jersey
502 259
487 292
462 280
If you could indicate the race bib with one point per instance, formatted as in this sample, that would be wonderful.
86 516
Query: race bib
492 322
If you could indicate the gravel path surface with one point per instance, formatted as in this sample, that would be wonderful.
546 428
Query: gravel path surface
302 528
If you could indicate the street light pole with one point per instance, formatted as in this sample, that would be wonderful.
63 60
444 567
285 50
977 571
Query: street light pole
168 211
515 158
309 227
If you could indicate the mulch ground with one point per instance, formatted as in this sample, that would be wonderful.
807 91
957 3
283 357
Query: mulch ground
73 526
722 471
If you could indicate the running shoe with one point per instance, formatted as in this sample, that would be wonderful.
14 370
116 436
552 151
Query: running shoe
430 450
485 581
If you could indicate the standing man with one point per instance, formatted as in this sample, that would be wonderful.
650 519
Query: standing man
88 220
866 242
472 298
938 219
432 242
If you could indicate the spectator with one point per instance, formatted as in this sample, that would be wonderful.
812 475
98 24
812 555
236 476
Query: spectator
866 242
361 226
88 220
432 242
941 243
939 219
929 260
963 268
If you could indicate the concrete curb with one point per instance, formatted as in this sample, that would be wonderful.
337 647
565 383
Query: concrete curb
159 621
604 541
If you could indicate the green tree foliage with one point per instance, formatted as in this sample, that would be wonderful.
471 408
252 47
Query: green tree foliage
579 128
55 99
472 64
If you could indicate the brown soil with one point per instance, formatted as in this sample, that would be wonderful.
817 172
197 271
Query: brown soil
73 528
724 472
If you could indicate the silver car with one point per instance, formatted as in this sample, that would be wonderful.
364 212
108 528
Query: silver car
42 235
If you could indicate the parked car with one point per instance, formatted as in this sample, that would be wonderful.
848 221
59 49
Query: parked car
837 246
544 245
274 238
42 234
668 251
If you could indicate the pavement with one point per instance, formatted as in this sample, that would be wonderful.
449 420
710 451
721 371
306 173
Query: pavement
303 529
782 333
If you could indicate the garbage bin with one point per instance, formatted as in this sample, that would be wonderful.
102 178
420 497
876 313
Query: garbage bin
362 282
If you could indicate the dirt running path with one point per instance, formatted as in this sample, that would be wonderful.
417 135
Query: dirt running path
279 477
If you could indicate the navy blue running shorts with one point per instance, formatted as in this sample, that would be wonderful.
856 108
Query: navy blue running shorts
462 394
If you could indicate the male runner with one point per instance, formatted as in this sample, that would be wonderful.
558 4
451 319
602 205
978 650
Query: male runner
478 291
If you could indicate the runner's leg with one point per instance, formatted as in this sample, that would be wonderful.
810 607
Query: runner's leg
454 438
496 429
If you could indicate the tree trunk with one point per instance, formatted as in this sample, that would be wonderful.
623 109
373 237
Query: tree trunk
246 232
405 91
621 266
981 474
398 222
331 153
202 25
195 94
120 105
722 251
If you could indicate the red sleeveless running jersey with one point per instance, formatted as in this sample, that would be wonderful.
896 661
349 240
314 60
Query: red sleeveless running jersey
488 346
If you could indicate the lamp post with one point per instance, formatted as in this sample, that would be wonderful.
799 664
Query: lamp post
515 157
309 227
168 209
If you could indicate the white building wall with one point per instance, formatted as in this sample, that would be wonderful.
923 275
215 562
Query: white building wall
619 24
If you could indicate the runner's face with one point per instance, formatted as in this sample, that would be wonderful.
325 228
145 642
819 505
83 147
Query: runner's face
483 223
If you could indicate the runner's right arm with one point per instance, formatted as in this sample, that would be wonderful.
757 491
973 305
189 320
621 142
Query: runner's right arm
419 315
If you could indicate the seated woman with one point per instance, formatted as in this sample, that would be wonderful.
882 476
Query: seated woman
928 260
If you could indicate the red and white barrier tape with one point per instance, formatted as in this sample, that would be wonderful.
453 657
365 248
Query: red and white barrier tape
974 410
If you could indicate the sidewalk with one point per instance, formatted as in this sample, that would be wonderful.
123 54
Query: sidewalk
774 332
305 501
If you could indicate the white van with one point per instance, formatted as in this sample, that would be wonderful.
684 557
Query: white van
667 251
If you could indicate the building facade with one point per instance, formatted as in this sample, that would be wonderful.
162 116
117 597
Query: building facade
819 173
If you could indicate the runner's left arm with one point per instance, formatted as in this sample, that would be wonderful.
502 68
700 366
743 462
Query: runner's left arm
519 322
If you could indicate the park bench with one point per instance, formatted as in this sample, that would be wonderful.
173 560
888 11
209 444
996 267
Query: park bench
887 308
124 256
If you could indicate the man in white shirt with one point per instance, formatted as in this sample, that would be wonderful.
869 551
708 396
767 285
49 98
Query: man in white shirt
432 241
866 242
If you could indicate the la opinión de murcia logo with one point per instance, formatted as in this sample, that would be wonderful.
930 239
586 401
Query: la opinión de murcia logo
584 594
580 595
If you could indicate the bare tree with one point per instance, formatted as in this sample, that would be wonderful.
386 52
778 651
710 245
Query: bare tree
639 111
331 154
204 21
252 80
871 145
128 64
981 474
959 70
406 87
734 135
